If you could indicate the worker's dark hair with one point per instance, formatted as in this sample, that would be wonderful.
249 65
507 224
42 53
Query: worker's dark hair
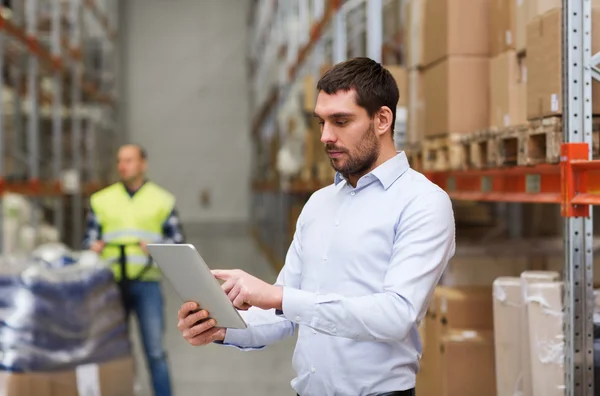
374 85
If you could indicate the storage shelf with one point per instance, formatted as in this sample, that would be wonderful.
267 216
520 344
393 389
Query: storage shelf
574 183
59 66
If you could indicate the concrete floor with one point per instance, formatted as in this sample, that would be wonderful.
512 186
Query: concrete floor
218 370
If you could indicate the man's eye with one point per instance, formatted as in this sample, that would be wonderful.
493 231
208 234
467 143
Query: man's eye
321 123
340 123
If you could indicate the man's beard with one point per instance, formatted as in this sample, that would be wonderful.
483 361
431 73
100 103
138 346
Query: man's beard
362 159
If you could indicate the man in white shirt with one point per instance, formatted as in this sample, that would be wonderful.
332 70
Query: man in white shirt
366 256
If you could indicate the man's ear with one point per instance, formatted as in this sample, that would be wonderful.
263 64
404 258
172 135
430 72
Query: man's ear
383 120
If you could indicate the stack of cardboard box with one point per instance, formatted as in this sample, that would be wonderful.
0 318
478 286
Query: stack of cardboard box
453 64
480 64
458 344
508 68
544 53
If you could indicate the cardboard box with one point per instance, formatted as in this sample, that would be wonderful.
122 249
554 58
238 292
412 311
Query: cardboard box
113 378
451 308
544 57
456 96
540 7
401 77
504 87
467 307
467 361
502 26
507 340
544 313
455 28
521 15
416 107
414 32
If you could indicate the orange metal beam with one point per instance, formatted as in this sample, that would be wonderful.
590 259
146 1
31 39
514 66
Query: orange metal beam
581 180
539 184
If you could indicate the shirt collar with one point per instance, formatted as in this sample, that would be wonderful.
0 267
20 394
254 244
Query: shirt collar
388 172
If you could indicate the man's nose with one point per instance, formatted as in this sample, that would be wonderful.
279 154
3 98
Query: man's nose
327 134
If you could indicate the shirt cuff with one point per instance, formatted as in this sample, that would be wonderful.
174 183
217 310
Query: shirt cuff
298 305
238 337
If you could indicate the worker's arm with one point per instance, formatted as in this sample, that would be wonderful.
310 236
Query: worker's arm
172 230
93 230
423 245
265 327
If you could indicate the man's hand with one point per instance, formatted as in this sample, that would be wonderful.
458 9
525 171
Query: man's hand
245 290
144 247
97 246
193 330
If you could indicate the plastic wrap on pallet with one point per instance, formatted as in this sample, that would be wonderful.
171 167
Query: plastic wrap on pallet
59 310
545 313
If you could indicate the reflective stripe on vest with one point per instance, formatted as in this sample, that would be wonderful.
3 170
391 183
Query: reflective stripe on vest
128 221
113 237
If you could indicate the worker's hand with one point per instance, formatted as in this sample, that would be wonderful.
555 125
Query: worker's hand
97 246
245 290
144 247
195 329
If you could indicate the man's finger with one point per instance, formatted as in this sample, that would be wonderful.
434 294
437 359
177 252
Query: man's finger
186 308
201 328
234 292
239 303
228 285
193 319
222 274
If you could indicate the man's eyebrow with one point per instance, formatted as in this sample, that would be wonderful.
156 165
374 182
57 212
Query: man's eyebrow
335 115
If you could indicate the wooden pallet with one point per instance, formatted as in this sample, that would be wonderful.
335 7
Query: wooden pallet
480 149
508 145
444 153
541 140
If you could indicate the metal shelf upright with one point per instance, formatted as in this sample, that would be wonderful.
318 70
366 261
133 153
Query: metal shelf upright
577 121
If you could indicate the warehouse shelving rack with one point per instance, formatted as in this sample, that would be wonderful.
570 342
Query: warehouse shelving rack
574 183
65 90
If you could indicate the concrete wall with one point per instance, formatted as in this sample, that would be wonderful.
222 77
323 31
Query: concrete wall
184 82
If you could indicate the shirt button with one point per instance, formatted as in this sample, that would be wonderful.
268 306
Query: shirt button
313 370
337 223
314 331
297 318
324 258
334 330
352 193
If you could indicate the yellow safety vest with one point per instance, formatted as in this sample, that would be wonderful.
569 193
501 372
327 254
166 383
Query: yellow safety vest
127 220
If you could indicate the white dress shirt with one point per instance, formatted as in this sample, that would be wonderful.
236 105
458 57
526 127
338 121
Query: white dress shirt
357 281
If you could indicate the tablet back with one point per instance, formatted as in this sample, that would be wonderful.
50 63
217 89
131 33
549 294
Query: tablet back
187 272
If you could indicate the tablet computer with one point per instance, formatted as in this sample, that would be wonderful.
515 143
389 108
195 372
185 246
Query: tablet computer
187 271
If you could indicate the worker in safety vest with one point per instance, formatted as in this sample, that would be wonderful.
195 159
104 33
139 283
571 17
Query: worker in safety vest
123 219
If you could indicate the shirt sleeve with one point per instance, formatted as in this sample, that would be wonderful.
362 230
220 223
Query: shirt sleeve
93 230
423 245
172 229
266 327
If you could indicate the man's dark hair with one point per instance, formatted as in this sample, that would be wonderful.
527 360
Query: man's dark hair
374 85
